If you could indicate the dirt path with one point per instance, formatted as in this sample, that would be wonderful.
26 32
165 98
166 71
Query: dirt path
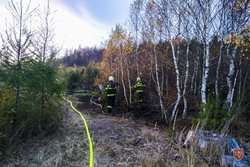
117 141
120 141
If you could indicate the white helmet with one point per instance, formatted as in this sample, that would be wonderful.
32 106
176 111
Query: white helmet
111 78
138 79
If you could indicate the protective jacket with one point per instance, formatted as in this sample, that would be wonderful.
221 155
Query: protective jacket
139 87
110 89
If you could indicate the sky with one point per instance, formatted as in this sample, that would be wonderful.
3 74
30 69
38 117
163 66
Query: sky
80 22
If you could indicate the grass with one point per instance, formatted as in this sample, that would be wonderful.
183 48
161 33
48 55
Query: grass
118 141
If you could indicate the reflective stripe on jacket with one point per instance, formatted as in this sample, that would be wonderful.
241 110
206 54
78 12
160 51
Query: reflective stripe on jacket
139 87
110 89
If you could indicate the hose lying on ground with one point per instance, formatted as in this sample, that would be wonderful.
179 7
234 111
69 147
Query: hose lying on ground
87 132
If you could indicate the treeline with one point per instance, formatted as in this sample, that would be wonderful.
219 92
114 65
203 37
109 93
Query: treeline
82 56
81 67
192 56
30 84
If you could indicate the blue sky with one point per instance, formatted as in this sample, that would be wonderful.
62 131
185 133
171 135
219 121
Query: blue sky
107 11
82 22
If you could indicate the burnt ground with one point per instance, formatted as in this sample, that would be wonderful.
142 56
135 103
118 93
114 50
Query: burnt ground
119 140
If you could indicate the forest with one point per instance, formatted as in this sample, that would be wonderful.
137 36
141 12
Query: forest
192 56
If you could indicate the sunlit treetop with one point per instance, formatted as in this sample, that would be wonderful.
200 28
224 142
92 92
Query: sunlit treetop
240 40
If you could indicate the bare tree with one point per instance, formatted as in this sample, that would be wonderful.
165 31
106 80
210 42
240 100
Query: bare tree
204 13
190 27
168 13
184 93
154 23
221 34
121 58
44 48
135 10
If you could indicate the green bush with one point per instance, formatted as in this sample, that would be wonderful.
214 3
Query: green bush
41 86
40 103
82 78
90 74
52 116
74 81
213 117
7 102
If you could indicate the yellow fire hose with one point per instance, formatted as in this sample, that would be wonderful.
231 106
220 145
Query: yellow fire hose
87 132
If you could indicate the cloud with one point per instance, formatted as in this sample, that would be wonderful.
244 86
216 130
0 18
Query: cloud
92 16
74 30
76 23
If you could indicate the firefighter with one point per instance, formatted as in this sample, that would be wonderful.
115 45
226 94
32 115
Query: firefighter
138 87
110 91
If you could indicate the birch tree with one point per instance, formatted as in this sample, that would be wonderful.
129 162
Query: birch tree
152 21
122 72
168 13
115 61
184 93
205 8
239 16
204 13
221 34
135 12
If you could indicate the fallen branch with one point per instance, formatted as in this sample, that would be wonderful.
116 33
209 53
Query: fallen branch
97 104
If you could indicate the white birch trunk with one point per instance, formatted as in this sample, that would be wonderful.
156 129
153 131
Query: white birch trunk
205 74
177 82
136 49
158 83
185 82
122 78
137 56
129 84
230 79
206 38
235 80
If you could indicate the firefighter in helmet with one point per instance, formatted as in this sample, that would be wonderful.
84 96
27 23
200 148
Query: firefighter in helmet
138 87
110 90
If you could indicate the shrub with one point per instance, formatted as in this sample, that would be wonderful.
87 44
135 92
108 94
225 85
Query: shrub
7 102
90 74
74 81
40 103
38 109
214 117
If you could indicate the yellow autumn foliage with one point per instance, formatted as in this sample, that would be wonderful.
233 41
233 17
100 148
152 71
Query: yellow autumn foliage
238 40
118 50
